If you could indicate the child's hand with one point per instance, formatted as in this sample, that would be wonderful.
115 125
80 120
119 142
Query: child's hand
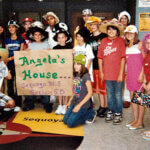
76 108
147 87
120 78
67 106
140 78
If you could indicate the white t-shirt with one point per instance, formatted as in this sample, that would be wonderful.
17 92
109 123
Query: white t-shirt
86 50
3 72
39 46
51 34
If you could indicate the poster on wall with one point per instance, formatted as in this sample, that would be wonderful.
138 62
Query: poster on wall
44 72
144 22
144 3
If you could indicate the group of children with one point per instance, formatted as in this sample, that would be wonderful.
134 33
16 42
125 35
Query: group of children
106 53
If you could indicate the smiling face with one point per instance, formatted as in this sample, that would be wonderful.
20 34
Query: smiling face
130 36
77 67
61 38
124 20
37 37
148 45
80 39
12 29
112 33
94 27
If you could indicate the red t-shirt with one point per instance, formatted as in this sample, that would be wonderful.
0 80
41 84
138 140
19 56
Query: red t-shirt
111 52
147 67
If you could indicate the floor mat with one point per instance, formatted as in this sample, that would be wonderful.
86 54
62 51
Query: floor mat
39 121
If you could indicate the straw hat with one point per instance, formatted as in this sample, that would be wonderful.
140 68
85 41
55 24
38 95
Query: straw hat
114 22
92 19
51 14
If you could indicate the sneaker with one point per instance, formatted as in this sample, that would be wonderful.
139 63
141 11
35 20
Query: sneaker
102 113
17 109
27 108
52 99
59 109
117 119
92 120
109 117
7 109
63 112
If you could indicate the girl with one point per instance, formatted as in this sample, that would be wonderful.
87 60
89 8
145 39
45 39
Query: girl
62 37
124 18
38 36
111 55
13 42
134 81
85 49
98 84
80 104
146 47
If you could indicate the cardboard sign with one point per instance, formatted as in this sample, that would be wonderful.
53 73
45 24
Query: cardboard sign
44 72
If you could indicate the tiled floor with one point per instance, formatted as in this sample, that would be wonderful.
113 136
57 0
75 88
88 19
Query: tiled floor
106 136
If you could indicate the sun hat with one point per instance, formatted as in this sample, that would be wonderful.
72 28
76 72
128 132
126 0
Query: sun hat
87 11
131 29
92 19
124 13
32 30
114 22
80 59
13 22
51 14
37 24
27 20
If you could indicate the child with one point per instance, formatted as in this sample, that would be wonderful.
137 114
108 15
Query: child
98 84
85 49
6 103
26 24
111 55
134 60
37 36
13 42
52 20
80 104
86 13
146 47
62 37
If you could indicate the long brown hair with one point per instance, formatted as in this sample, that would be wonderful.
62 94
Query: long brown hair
84 70
136 40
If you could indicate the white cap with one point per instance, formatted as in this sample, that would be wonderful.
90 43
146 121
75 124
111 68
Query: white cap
124 13
87 12
131 29
37 24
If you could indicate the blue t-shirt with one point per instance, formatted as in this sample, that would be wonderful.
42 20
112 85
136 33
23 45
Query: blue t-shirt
13 45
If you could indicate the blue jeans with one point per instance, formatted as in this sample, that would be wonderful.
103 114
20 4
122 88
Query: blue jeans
74 119
114 96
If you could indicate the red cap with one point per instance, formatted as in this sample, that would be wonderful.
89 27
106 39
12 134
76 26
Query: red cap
27 19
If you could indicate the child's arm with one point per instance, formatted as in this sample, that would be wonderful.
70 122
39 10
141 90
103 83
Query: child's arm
9 76
86 98
69 102
100 63
141 76
21 46
122 65
89 63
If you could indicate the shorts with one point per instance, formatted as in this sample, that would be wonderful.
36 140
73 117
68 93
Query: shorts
98 84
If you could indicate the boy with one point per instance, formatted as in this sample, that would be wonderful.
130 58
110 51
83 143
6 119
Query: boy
62 37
